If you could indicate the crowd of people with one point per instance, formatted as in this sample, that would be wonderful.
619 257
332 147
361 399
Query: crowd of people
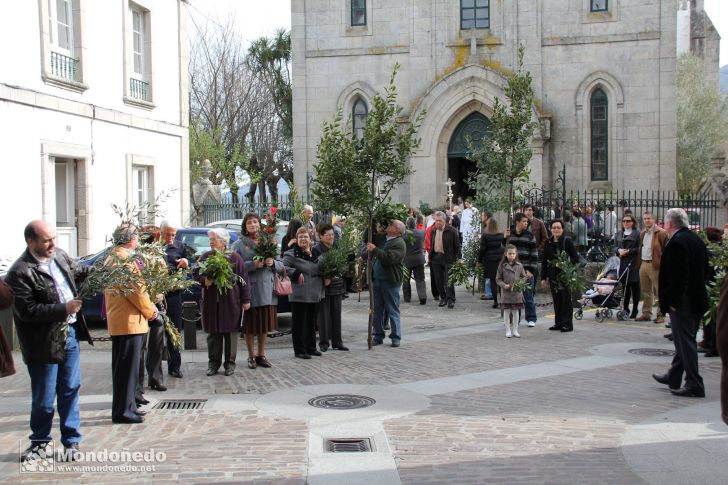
666 263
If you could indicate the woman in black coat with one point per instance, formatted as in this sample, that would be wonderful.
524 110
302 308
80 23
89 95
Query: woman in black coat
563 307
490 254
627 246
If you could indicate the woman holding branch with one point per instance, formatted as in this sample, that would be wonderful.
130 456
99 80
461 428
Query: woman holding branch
262 316
225 295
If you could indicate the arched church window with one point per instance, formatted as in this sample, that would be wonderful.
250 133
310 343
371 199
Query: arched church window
358 12
599 135
359 117
474 14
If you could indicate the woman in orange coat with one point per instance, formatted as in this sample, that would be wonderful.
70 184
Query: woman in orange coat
127 317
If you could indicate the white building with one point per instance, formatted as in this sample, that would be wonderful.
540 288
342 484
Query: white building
603 76
93 112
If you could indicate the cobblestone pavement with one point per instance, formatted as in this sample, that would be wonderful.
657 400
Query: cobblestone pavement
470 424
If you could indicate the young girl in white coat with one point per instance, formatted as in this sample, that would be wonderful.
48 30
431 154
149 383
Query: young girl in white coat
510 271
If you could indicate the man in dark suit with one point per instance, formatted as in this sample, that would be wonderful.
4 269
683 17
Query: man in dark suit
177 258
683 294
446 251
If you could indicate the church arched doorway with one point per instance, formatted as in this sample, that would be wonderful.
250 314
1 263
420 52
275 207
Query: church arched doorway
475 127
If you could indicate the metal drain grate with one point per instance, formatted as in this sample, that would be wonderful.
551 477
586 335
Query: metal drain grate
653 352
180 404
341 401
348 445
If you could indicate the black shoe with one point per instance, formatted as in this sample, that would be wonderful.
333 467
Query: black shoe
70 453
451 305
35 451
125 420
711 353
387 327
668 336
158 387
423 301
555 327
139 412
442 303
406 300
567 329
324 347
316 353
376 342
303 356
141 402
341 347
663 379
687 392
176 373
702 350
344 296
395 343
495 305
229 372
211 371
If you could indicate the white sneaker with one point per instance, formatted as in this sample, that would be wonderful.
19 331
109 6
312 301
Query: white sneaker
531 324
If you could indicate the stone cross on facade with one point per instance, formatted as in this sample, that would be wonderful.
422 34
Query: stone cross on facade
449 184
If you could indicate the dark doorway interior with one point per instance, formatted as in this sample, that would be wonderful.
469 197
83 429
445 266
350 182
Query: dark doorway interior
476 127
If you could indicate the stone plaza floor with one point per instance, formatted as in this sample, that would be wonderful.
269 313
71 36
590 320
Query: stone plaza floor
457 403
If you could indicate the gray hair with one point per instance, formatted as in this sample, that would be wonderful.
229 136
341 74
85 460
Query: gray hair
678 217
166 224
220 232
123 234
440 215
399 225
307 208
411 223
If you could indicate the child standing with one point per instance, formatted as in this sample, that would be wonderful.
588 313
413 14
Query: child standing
510 270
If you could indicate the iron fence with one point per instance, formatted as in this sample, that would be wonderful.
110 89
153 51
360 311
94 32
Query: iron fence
585 212
233 211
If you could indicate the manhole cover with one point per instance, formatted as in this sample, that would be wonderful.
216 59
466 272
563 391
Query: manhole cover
653 352
341 401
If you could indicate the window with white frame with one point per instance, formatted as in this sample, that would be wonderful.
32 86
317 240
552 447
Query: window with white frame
138 62
599 5
61 42
141 190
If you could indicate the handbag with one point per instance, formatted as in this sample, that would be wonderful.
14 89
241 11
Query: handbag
282 286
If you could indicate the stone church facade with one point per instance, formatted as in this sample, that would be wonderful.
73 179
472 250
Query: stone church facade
603 76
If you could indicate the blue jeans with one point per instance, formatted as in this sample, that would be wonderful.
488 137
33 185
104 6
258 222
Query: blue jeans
529 297
487 290
386 297
64 381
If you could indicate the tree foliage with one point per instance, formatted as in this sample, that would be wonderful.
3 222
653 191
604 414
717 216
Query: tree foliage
356 176
234 117
502 171
702 123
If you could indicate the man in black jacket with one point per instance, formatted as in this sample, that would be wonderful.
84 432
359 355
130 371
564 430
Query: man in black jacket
50 327
445 252
682 293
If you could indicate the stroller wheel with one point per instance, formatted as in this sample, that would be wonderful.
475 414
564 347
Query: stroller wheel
621 315
610 313
600 316
578 314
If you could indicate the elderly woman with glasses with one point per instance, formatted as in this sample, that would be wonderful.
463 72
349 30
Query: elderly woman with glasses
222 310
627 246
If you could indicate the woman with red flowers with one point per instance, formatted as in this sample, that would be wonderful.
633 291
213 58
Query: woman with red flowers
262 316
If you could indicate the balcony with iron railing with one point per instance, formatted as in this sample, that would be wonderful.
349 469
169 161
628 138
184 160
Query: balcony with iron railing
63 66
139 90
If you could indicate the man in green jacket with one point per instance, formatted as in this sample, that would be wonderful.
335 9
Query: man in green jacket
387 276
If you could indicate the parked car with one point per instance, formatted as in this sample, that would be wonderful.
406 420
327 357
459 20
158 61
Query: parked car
197 240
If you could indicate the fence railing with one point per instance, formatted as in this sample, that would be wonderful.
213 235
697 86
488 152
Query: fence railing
592 208
139 89
233 211
63 66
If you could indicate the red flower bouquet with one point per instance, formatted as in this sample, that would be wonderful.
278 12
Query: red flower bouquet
266 245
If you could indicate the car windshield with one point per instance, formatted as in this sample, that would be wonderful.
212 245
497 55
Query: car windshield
199 242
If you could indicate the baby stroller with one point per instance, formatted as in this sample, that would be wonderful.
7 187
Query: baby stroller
605 304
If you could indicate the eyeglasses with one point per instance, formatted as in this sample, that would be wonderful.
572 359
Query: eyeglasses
626 220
